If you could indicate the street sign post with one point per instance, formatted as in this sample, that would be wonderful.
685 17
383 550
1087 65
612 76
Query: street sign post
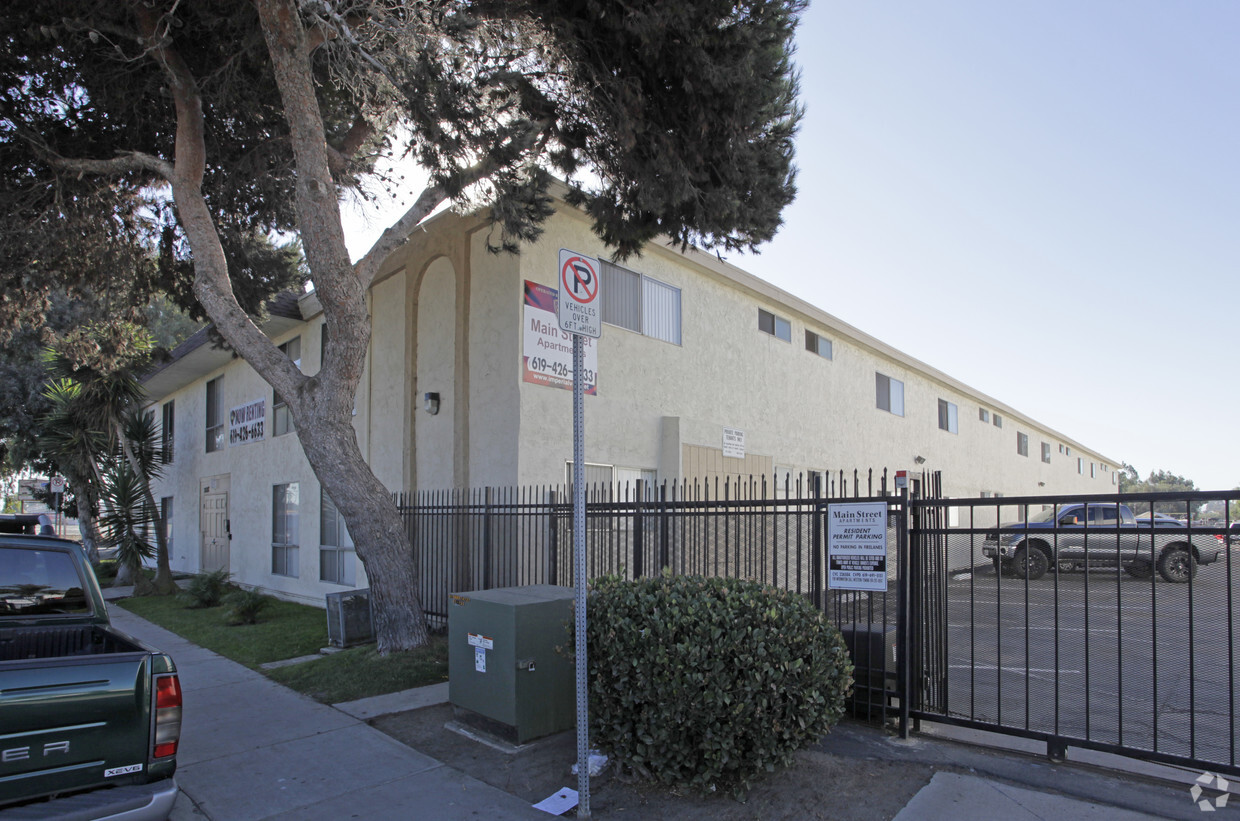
579 312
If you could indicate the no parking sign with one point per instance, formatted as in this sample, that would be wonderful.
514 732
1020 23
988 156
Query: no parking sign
578 307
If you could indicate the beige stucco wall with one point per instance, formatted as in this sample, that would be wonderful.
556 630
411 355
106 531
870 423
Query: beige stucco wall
448 317
797 409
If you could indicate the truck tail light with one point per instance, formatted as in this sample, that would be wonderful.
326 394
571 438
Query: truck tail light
167 715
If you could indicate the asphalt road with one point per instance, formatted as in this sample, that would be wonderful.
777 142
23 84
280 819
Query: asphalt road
1099 656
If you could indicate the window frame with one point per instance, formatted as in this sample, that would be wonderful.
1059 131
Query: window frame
281 418
286 529
983 415
1046 452
775 325
814 343
885 396
1022 443
215 433
649 293
167 432
949 416
336 547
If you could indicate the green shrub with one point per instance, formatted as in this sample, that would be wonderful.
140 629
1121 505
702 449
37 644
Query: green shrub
206 589
707 683
245 606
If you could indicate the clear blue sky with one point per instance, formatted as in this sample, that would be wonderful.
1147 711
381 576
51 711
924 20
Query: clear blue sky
1041 199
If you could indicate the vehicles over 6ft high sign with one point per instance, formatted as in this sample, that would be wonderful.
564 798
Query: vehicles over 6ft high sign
578 307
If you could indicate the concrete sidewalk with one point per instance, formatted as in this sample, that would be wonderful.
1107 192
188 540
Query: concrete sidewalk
252 749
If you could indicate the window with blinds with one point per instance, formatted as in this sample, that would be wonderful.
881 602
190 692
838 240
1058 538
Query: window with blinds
640 304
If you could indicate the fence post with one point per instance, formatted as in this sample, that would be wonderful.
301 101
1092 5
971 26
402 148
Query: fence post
639 531
664 530
904 625
487 501
553 537
816 551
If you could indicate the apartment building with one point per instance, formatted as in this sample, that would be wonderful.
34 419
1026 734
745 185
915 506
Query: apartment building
702 371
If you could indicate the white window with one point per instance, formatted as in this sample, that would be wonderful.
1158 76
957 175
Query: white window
998 420
983 415
889 394
1022 444
1080 466
1046 452
818 344
285 529
776 326
281 419
336 555
948 416
1093 474
641 304
215 414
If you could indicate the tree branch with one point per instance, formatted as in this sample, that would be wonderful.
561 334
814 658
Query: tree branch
122 164
338 156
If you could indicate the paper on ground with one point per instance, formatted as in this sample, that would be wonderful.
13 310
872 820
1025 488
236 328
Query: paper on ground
559 803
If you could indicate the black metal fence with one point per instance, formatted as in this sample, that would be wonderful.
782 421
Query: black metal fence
753 527
1070 621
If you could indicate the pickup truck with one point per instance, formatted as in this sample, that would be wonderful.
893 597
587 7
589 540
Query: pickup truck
90 718
1098 534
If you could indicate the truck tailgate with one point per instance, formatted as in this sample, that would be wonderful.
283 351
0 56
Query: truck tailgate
73 723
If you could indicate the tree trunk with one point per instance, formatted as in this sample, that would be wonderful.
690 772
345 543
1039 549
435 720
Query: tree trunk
164 584
378 533
321 405
87 528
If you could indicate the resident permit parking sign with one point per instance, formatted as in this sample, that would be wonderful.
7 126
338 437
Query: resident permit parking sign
578 306
857 546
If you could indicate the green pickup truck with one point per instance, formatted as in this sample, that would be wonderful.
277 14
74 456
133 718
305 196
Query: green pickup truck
90 718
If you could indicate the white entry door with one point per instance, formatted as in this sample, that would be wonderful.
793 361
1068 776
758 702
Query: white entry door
214 523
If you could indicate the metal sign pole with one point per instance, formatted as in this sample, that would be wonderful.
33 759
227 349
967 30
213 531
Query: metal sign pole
579 575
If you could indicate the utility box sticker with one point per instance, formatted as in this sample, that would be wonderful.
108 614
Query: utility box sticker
857 546
480 644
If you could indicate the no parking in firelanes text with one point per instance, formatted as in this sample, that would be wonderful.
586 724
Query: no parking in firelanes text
857 546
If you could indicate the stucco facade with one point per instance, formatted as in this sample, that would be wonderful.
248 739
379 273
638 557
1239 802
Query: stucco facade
724 351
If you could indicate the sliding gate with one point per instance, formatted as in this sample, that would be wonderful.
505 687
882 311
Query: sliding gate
1090 648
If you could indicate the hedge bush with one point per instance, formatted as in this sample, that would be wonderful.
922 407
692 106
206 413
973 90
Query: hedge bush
706 683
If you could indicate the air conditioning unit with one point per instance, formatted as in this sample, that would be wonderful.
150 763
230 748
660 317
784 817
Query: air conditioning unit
348 618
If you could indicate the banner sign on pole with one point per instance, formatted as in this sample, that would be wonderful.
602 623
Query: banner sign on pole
547 352
857 546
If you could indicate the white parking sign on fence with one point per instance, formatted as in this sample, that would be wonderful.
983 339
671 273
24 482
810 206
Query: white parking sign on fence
857 546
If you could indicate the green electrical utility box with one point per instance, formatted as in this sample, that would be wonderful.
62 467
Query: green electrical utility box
505 675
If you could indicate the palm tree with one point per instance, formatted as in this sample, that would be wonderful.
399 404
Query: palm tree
98 397
73 444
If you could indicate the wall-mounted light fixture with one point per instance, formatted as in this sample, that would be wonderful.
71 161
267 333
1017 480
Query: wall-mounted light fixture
431 403
920 460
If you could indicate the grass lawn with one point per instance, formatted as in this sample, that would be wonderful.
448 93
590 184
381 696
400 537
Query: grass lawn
285 630
360 672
